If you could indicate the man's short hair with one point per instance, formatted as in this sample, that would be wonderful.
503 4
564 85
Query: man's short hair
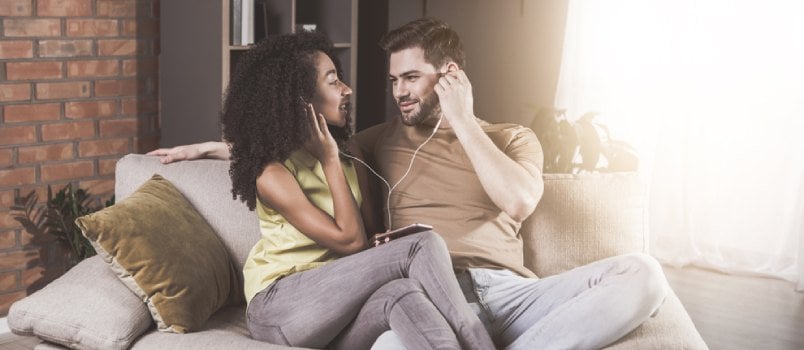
439 42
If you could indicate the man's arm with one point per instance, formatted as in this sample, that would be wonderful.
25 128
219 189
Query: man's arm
211 149
514 187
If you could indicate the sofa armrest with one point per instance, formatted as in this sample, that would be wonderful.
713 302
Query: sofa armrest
583 218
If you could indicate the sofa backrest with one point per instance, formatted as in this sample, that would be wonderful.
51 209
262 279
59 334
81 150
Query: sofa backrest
583 218
206 184
580 218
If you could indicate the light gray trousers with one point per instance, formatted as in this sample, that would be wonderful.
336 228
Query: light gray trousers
588 307
407 285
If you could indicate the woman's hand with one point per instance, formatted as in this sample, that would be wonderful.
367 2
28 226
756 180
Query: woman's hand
321 143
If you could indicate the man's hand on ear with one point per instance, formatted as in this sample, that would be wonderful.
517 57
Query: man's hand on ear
455 94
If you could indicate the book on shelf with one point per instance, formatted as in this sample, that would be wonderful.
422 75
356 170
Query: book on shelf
247 23
237 23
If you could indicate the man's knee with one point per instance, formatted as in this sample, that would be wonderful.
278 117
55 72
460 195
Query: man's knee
650 277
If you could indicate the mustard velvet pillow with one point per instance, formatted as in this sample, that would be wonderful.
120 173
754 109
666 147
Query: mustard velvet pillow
166 253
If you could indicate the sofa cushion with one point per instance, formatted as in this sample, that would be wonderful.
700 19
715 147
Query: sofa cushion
165 251
670 328
226 329
206 184
86 308
584 218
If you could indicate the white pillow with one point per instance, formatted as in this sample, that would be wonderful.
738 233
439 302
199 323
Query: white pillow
86 308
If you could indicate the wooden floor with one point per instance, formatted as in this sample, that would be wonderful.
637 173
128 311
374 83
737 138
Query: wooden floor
731 312
14 342
741 312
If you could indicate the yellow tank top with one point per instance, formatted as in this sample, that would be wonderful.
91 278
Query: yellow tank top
283 250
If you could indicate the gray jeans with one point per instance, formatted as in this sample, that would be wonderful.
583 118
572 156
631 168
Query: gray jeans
406 285
588 307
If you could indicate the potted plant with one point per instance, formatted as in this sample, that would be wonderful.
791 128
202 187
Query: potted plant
56 219
580 146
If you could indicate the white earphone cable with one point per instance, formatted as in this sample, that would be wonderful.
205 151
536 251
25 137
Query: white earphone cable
410 165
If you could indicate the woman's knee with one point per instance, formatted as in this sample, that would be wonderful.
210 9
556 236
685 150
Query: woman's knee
392 292
398 288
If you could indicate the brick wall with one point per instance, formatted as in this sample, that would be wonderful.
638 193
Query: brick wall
78 90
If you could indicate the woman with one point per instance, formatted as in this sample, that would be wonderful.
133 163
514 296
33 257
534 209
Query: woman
311 281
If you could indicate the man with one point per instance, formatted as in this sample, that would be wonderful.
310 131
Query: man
475 182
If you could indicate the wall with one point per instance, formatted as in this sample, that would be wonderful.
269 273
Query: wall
513 50
78 82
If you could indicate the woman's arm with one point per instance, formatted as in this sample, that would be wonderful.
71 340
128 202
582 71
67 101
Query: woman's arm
344 234
277 187
211 149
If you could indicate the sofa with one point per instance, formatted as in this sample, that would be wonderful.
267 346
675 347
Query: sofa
581 218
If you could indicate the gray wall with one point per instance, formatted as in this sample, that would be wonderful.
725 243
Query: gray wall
513 50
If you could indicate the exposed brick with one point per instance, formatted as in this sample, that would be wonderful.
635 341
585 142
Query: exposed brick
142 67
108 147
71 8
17 135
41 191
138 106
65 48
122 8
31 275
126 87
90 109
15 92
6 159
92 27
8 280
60 151
121 47
118 127
95 68
141 28
17 259
74 170
16 49
7 222
62 90
106 166
31 27
7 198
34 112
146 143
17 177
102 187
68 131
33 70
7 299
15 8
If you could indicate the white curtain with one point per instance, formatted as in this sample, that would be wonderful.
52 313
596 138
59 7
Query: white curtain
711 93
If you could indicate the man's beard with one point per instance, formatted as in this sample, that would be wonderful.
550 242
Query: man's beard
427 107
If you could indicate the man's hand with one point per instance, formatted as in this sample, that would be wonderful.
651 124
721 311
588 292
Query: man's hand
455 95
210 150
178 153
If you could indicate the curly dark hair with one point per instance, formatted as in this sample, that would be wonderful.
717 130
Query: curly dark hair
263 118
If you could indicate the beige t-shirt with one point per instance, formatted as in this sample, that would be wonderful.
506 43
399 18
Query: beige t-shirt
443 190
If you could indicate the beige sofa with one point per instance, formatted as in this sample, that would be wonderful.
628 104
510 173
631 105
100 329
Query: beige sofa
580 219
